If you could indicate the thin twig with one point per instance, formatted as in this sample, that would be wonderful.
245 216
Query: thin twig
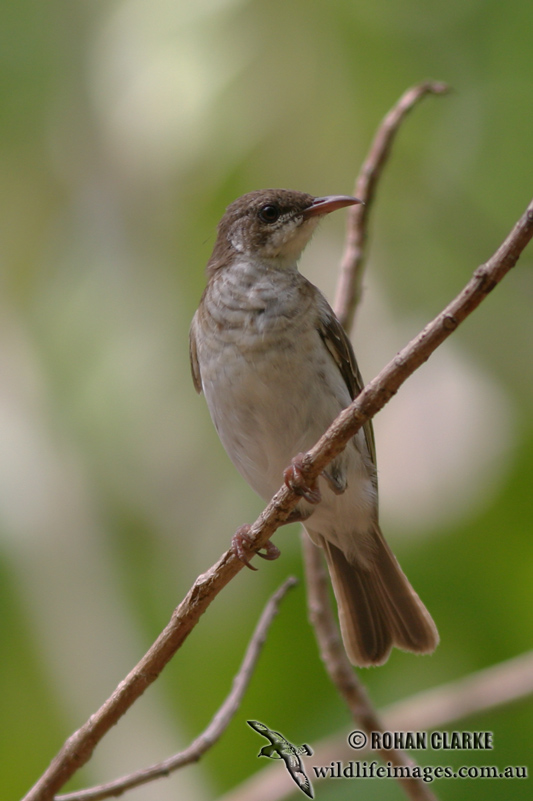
341 671
347 299
476 693
351 268
79 747
216 727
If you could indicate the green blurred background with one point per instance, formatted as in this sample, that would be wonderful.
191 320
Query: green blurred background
126 128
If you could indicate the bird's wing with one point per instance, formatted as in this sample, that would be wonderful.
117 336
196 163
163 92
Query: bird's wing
264 730
294 765
193 355
340 348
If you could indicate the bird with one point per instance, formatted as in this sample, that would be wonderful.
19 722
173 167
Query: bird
280 748
276 368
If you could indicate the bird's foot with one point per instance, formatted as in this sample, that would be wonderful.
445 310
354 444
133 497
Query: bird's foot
241 543
295 480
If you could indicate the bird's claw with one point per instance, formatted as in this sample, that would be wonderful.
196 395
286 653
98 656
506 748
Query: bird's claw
241 543
295 480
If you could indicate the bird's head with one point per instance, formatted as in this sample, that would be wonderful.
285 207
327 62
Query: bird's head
269 751
272 225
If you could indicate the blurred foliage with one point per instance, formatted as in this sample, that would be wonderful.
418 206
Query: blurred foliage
126 128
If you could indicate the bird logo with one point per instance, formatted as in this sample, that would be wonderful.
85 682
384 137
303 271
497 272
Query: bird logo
280 748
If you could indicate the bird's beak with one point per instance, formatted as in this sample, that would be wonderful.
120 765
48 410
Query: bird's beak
324 205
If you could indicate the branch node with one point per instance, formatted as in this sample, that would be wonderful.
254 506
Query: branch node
450 322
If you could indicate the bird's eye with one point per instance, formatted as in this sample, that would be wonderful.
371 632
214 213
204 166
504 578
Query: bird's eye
269 213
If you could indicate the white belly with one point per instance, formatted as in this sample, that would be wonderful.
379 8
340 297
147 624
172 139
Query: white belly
269 405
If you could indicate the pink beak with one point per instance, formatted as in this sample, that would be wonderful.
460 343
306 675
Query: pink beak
324 205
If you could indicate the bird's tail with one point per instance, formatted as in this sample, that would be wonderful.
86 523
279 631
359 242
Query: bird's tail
378 608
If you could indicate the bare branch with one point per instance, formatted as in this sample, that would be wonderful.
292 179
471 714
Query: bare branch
347 298
341 671
432 709
217 726
78 749
351 268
